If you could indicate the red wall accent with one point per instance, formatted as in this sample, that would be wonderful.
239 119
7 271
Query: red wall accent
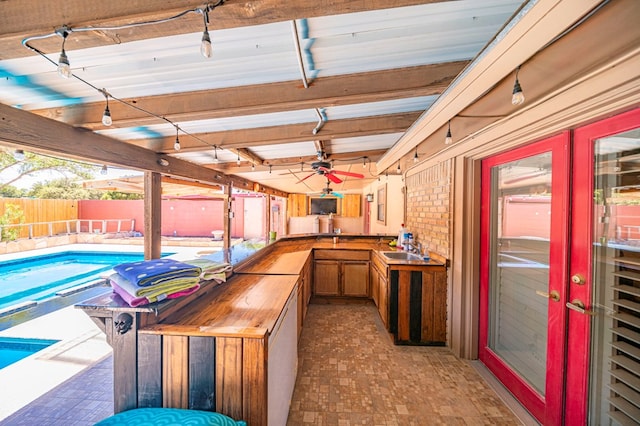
188 218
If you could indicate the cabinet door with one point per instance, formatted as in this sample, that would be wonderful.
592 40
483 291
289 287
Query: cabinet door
355 279
326 278
383 299
307 276
301 305
375 289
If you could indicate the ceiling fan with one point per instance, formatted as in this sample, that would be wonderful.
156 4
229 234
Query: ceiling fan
323 168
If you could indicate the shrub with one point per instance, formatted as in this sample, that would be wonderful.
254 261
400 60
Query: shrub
13 214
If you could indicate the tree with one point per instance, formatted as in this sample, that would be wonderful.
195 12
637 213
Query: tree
63 189
12 215
13 169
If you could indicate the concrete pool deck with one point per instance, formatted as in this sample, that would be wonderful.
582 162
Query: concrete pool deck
81 343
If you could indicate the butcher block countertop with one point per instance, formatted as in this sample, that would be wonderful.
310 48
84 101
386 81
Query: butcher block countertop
250 302
247 305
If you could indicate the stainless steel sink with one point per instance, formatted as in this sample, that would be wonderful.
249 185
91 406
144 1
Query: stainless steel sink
401 255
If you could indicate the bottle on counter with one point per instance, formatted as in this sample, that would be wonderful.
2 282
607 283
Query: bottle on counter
401 234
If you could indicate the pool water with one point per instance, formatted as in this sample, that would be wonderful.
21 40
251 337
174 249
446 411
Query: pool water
14 349
37 278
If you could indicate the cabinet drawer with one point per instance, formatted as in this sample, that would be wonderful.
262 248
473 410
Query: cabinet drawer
337 254
379 264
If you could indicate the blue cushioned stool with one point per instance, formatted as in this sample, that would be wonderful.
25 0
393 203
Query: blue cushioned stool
169 417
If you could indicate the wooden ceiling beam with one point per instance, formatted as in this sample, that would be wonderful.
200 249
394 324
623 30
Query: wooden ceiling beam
275 135
21 128
348 89
21 18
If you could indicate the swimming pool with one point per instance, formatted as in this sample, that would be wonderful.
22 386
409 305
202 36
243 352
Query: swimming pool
13 349
39 277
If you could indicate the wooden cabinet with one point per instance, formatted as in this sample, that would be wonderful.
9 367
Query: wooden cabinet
341 273
326 277
380 288
304 293
418 304
297 205
351 205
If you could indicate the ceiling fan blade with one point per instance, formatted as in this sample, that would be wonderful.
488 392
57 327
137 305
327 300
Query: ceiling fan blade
356 175
337 194
333 178
305 178
323 195
324 169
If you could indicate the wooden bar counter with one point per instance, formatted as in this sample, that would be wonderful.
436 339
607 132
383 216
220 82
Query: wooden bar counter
232 347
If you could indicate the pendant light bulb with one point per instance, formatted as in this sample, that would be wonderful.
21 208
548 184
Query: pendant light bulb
205 46
238 160
64 67
364 163
415 157
215 155
253 167
176 145
18 154
398 170
448 140
106 116
104 170
518 97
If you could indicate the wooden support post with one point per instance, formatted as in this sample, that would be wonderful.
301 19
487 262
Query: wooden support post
267 216
152 215
226 239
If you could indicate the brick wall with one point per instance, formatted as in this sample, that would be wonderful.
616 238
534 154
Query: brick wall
428 217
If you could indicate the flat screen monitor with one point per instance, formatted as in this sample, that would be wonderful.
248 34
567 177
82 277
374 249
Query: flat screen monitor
324 205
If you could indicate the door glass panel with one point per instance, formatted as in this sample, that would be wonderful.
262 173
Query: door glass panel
615 340
519 265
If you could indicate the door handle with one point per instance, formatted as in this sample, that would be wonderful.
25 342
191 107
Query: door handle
553 295
578 306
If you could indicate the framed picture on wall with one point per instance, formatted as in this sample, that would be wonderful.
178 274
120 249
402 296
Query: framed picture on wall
381 204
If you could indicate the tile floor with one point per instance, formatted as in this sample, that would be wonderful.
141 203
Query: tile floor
349 373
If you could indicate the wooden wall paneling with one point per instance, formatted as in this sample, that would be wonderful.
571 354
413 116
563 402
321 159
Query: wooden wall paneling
254 393
202 373
125 361
229 376
175 371
404 301
149 370
440 306
428 290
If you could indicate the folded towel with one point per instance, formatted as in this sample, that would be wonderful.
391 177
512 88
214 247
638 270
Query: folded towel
155 271
136 295
211 270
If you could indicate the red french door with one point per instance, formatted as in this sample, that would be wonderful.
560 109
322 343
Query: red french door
560 273
523 291
603 358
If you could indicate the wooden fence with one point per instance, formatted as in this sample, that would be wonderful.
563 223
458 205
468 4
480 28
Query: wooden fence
47 216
